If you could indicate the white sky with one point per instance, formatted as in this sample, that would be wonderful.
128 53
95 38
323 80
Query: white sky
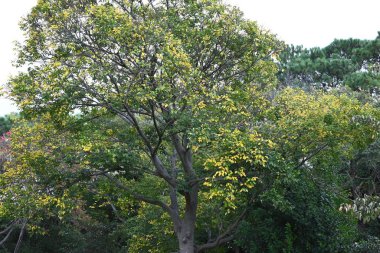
10 13
302 22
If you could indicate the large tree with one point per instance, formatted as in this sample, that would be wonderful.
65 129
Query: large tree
182 75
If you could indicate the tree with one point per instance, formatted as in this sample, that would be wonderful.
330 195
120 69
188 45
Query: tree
355 64
350 62
181 75
299 192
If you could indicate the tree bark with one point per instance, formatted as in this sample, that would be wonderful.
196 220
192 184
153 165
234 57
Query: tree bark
186 229
187 247
186 233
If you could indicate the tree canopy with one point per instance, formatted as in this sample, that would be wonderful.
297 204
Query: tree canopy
180 75
350 62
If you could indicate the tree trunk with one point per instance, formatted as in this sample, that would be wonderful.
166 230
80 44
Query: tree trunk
186 231
186 246
186 237
185 227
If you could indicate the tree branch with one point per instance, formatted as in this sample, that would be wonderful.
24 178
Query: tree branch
138 196
21 235
9 230
311 155
225 237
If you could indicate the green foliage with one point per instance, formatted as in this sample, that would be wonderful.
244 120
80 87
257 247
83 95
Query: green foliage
6 123
301 188
323 126
300 215
364 170
149 231
350 62
64 237
371 244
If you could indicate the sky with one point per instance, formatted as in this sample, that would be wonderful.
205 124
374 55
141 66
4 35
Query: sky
309 23
10 15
